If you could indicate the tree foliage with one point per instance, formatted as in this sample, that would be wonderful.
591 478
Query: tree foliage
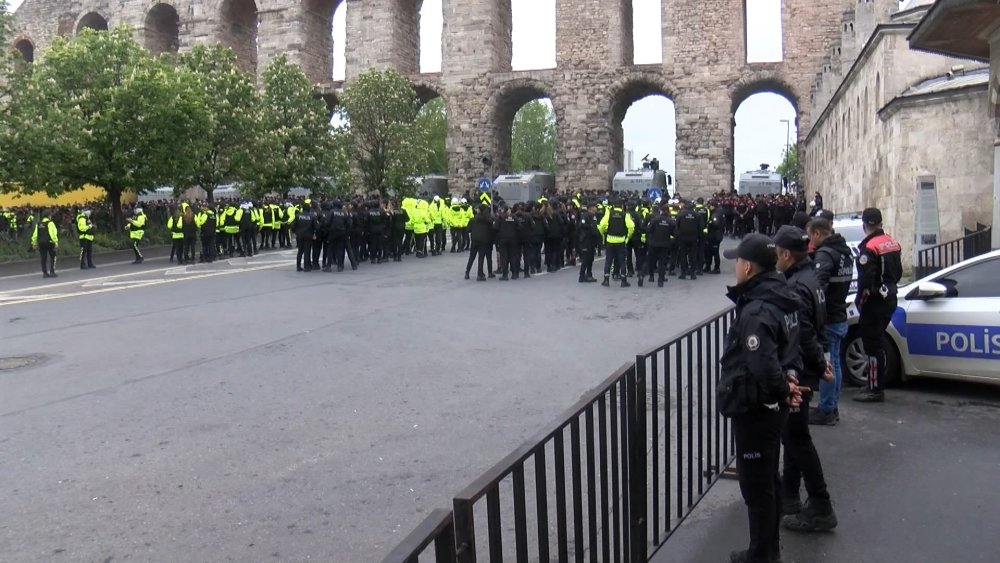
390 146
97 109
433 120
789 167
296 144
233 106
533 138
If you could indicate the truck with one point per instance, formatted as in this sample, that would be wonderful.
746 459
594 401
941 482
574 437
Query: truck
648 177
525 187
760 182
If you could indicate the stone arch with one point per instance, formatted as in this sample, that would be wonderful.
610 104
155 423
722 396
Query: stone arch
622 95
427 92
317 28
503 106
162 29
764 82
238 30
92 20
26 49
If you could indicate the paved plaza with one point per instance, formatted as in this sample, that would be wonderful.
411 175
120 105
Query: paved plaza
241 411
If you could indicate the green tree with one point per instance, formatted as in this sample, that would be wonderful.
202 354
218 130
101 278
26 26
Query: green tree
533 138
390 147
234 109
789 167
433 120
295 147
98 110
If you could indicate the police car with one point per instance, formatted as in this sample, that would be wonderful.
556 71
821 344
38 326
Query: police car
947 325
852 228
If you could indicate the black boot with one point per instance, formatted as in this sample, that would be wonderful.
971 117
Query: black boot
641 279
815 516
466 275
606 282
626 284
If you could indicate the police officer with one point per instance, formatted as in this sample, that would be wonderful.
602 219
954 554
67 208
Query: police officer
754 386
305 234
338 224
45 239
835 270
85 229
660 235
481 233
378 226
704 215
688 234
397 230
879 270
801 462
509 243
713 238
176 228
587 239
206 223
616 227
136 227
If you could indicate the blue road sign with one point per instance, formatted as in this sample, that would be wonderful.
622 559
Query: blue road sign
485 184
654 194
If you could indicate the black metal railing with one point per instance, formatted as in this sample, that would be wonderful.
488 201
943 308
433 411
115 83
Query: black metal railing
611 479
936 258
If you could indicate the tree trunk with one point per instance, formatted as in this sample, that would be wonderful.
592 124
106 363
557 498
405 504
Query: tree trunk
114 196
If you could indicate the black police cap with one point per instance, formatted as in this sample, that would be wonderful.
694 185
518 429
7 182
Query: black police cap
756 248
791 238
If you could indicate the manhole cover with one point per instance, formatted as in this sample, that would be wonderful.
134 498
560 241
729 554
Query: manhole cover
17 362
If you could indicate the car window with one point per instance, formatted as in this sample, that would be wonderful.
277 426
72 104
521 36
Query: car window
851 233
979 280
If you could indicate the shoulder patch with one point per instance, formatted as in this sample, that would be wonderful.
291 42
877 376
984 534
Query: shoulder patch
753 343
863 259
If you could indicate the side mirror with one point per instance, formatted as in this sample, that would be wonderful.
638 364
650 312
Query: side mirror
927 291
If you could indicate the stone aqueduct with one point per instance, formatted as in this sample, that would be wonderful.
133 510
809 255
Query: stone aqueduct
595 81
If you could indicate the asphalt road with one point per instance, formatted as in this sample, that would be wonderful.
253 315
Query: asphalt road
241 411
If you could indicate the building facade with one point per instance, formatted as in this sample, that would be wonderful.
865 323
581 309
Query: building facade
900 120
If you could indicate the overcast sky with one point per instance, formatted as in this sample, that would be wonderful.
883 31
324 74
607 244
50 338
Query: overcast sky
649 125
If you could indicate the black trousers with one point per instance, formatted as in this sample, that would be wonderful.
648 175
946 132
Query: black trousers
510 257
408 239
758 441
712 261
553 249
801 462
420 244
283 239
248 240
687 254
375 246
615 259
640 257
135 249
189 243
875 317
47 256
317 250
656 261
586 263
396 244
440 240
208 248
177 249
86 253
481 250
304 254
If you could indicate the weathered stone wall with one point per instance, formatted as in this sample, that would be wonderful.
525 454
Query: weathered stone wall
704 67
866 150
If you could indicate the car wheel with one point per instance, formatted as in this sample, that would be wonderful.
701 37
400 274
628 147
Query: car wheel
854 361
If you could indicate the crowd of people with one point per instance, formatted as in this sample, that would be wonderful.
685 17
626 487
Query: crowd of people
643 238
791 315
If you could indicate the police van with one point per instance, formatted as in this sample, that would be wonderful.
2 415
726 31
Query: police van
947 325
852 228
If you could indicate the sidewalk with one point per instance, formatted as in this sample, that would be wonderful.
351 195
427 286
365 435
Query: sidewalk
113 258
916 479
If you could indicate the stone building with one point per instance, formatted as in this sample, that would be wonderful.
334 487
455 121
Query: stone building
704 69
970 28
888 120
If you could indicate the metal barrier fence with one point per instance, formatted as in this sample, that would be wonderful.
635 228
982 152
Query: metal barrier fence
610 480
937 258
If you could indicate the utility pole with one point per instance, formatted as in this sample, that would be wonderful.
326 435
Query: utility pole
788 134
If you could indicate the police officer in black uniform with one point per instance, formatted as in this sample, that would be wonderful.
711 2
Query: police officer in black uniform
305 233
879 270
754 387
801 462
688 235
587 239
378 224
660 233
338 224
715 232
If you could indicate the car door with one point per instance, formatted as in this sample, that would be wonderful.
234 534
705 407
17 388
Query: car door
958 335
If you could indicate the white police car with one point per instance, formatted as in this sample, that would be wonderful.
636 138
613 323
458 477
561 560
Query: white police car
946 325
852 228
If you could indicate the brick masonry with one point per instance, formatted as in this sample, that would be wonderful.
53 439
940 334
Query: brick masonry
704 70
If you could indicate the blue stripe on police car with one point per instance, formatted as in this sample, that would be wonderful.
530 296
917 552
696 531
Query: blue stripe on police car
954 341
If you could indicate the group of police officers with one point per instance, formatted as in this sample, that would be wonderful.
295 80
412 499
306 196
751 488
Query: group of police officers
791 311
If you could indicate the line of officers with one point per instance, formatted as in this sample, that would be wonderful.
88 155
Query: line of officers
643 238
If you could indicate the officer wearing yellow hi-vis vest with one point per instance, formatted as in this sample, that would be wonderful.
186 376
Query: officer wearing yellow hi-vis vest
616 227
136 230
85 230
45 238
